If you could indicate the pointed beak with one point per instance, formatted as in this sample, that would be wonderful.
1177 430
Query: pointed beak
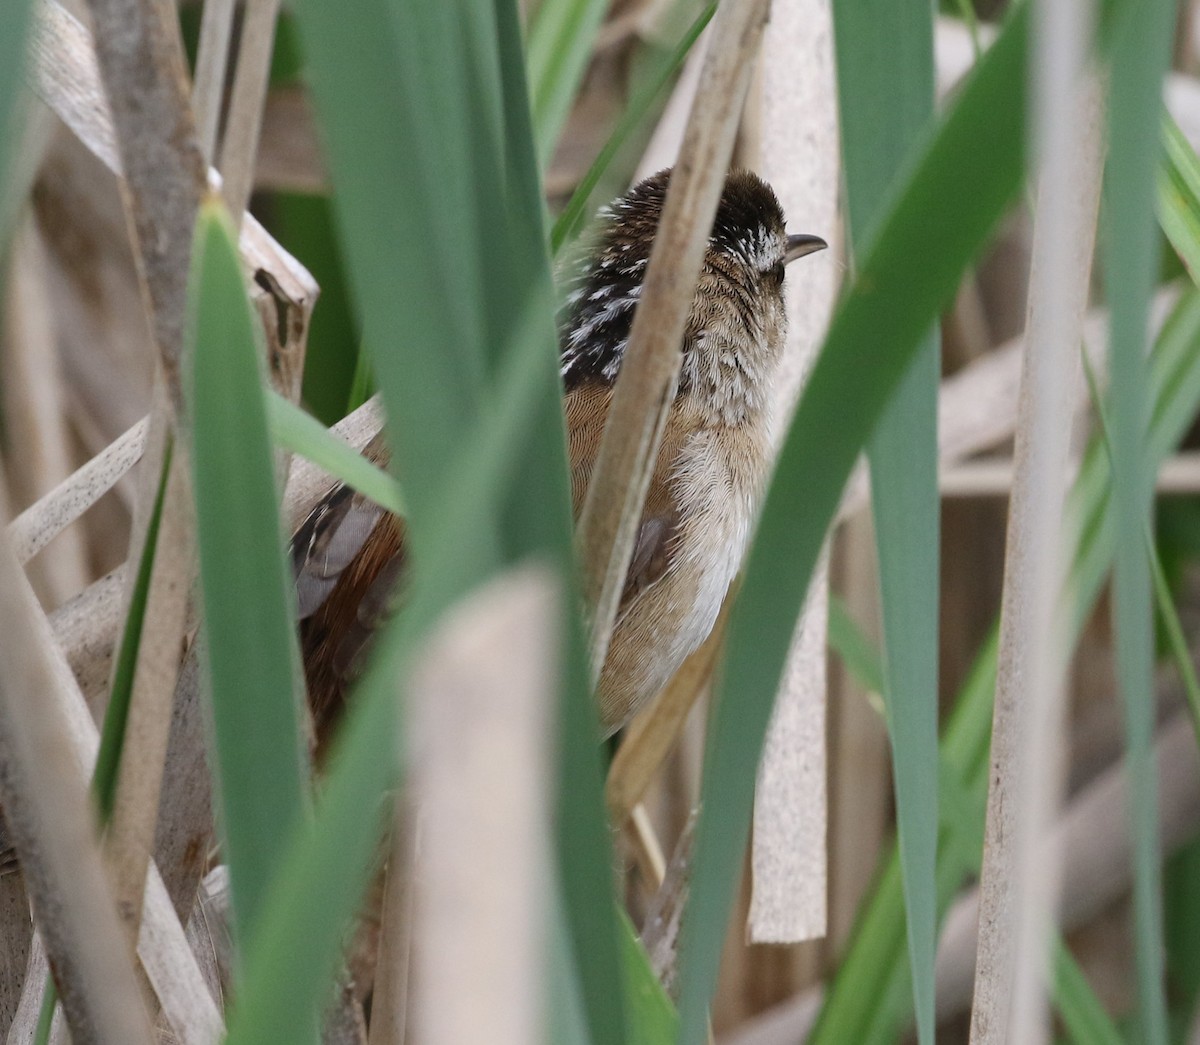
798 246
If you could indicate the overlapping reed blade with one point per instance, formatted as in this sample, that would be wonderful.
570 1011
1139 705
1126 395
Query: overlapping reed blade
1020 875
650 372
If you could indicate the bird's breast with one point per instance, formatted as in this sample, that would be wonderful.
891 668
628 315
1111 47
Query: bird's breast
715 477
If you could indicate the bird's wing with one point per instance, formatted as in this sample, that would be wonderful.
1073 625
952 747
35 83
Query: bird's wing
587 410
348 558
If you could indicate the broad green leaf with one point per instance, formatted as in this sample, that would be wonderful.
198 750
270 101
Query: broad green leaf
931 228
1141 42
1182 902
249 620
885 90
303 434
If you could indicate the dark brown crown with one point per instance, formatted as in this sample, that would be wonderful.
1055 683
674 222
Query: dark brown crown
595 320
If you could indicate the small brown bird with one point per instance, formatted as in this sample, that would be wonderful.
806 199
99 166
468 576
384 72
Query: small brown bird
711 467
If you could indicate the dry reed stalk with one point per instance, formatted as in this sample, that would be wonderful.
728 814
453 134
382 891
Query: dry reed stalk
480 738
993 476
145 81
65 74
165 956
1093 835
1020 873
289 154
650 372
239 148
16 941
47 517
801 159
144 75
390 997
86 625
35 406
212 57
131 833
48 814
162 189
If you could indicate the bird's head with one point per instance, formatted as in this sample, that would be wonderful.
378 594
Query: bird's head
736 328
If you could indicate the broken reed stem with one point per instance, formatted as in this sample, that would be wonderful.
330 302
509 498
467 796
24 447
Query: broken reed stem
239 148
650 372
1020 875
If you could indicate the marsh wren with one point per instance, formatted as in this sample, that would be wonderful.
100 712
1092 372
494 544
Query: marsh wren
710 469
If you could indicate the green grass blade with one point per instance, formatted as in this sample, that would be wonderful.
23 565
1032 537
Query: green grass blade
1179 196
867 999
1174 634
872 342
112 735
574 215
1086 1021
300 432
652 1018
16 18
885 88
561 34
249 621
850 643
1182 904
1140 52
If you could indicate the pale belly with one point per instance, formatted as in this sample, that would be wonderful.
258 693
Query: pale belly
718 496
